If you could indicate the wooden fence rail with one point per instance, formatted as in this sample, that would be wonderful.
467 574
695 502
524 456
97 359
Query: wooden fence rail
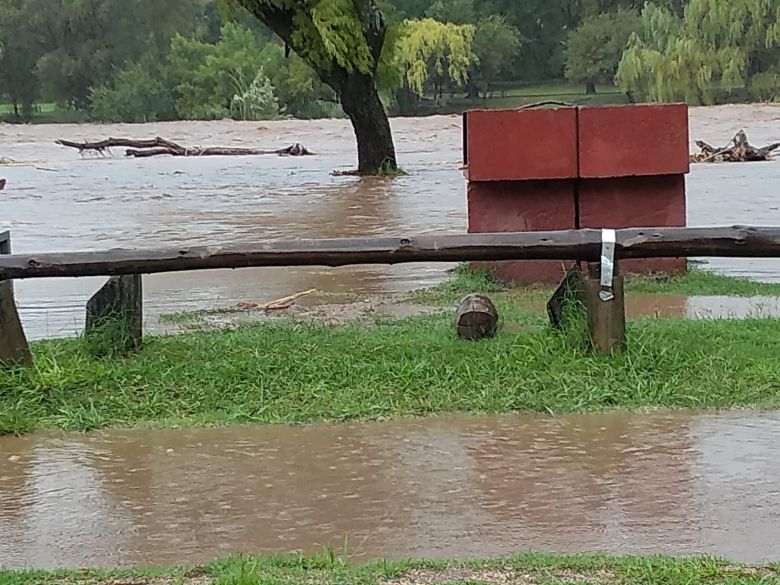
737 241
120 301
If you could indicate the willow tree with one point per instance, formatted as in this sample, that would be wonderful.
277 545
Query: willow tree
344 42
716 45
431 50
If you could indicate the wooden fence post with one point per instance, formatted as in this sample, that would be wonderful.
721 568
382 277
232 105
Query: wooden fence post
115 316
606 316
568 297
14 349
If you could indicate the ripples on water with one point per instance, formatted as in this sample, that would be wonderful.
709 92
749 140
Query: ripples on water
439 488
64 202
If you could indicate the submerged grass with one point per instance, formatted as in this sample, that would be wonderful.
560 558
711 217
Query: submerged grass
697 282
528 569
299 372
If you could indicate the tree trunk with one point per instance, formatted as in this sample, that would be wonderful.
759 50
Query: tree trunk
359 96
590 88
472 90
360 101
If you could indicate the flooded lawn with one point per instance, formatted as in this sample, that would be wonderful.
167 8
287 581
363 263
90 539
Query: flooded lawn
451 487
61 202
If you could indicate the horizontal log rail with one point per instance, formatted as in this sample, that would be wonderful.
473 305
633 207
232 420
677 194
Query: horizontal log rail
736 241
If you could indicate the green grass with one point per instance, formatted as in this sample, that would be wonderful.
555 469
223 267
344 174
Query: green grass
329 569
559 89
514 97
697 282
46 113
511 97
703 283
43 108
291 372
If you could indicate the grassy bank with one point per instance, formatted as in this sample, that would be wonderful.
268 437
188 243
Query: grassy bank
45 113
527 569
515 97
288 371
510 97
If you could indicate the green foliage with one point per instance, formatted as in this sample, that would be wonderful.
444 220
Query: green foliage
20 52
429 49
256 101
300 91
221 80
716 46
339 33
325 33
137 94
86 41
594 50
765 86
454 11
496 44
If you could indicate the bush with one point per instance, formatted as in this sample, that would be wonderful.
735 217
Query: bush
257 101
135 95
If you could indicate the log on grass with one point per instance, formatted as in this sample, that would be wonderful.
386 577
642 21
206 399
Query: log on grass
476 318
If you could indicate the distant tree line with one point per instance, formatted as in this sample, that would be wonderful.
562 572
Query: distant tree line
147 60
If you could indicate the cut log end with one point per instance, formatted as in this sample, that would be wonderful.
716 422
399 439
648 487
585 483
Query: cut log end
477 318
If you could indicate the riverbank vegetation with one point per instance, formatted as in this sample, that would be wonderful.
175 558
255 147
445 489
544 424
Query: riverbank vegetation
528 569
292 371
108 60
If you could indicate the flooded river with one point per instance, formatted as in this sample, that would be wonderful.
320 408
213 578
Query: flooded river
436 488
63 202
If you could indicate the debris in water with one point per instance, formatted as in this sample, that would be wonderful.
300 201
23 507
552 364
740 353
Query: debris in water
738 150
278 304
161 146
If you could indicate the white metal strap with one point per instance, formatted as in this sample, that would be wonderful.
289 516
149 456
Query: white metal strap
608 241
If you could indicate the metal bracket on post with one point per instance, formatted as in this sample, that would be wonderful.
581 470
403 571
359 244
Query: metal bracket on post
608 242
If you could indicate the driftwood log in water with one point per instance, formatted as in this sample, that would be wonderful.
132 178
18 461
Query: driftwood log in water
738 150
160 146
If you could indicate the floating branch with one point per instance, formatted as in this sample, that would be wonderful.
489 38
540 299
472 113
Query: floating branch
161 146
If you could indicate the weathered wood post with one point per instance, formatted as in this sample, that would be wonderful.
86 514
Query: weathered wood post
115 316
569 296
477 318
14 349
606 311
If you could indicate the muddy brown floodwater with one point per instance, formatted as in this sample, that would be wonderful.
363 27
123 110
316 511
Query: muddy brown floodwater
456 487
60 202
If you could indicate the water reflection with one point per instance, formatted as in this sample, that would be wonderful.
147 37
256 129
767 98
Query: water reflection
674 483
